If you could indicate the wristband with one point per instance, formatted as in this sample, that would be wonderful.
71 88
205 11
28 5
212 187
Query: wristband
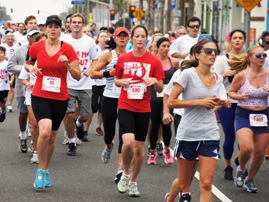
71 67
106 74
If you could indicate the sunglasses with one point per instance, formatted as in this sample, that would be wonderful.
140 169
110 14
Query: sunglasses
267 42
259 55
209 51
194 26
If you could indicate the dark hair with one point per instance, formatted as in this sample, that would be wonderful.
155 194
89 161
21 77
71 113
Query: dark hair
264 34
111 30
139 26
197 48
111 45
161 40
68 16
28 18
237 30
103 29
2 48
193 19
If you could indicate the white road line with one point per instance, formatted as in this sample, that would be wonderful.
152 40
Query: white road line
215 190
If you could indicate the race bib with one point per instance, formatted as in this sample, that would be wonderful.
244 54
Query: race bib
258 120
52 84
136 91
162 93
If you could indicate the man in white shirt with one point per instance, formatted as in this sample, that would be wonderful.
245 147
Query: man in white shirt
265 45
18 34
79 91
30 23
180 48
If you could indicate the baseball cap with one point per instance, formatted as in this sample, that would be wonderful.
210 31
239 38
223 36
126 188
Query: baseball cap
41 23
204 37
32 32
54 19
119 30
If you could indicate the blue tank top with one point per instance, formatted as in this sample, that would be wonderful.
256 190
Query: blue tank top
256 96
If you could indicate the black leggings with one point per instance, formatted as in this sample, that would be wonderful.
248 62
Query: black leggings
156 121
110 115
97 96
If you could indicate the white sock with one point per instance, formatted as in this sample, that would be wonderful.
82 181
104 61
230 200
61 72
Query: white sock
78 123
72 140
23 135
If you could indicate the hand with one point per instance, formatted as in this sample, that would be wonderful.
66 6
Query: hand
244 96
210 102
34 71
167 118
112 72
124 82
63 59
226 103
87 72
150 81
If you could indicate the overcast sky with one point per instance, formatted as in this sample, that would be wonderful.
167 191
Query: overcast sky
23 8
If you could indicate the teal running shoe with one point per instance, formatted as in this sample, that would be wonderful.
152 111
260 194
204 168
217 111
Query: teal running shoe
46 178
39 180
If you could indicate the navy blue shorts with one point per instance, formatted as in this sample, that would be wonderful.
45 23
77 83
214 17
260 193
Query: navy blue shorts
191 150
242 120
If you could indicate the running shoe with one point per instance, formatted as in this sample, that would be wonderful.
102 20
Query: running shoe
118 175
133 190
9 108
106 153
152 158
23 146
86 138
39 179
34 158
80 130
72 149
166 197
28 130
160 148
31 148
65 138
249 186
99 132
2 117
185 197
123 183
236 161
228 173
168 159
46 178
78 141
240 177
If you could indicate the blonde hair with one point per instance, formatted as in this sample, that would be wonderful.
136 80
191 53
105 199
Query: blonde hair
77 15
149 46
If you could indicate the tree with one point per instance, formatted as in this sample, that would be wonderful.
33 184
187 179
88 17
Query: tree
3 14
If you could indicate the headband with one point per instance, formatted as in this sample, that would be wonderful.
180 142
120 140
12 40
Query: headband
161 40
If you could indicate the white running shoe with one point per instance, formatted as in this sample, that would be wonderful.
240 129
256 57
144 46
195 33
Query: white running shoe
34 159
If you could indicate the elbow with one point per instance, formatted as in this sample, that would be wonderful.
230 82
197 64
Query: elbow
78 77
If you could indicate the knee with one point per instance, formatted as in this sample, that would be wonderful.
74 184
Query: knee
70 116
139 152
246 150
128 146
206 184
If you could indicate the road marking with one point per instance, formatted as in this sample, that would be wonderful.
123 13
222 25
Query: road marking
215 190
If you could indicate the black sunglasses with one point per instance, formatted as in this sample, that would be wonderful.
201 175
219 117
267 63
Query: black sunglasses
209 51
259 55
194 26
267 42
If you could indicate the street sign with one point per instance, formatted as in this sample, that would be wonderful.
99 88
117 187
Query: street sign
138 14
78 2
248 5
173 4
158 6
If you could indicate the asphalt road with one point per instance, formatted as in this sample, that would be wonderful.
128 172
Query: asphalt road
86 178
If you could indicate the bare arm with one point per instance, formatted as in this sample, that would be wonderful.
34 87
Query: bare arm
167 117
238 81
96 72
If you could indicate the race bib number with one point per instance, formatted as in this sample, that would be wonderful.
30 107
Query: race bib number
116 89
258 120
52 84
136 91
162 93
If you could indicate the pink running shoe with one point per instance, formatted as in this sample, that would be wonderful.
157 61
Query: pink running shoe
168 159
166 197
152 158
